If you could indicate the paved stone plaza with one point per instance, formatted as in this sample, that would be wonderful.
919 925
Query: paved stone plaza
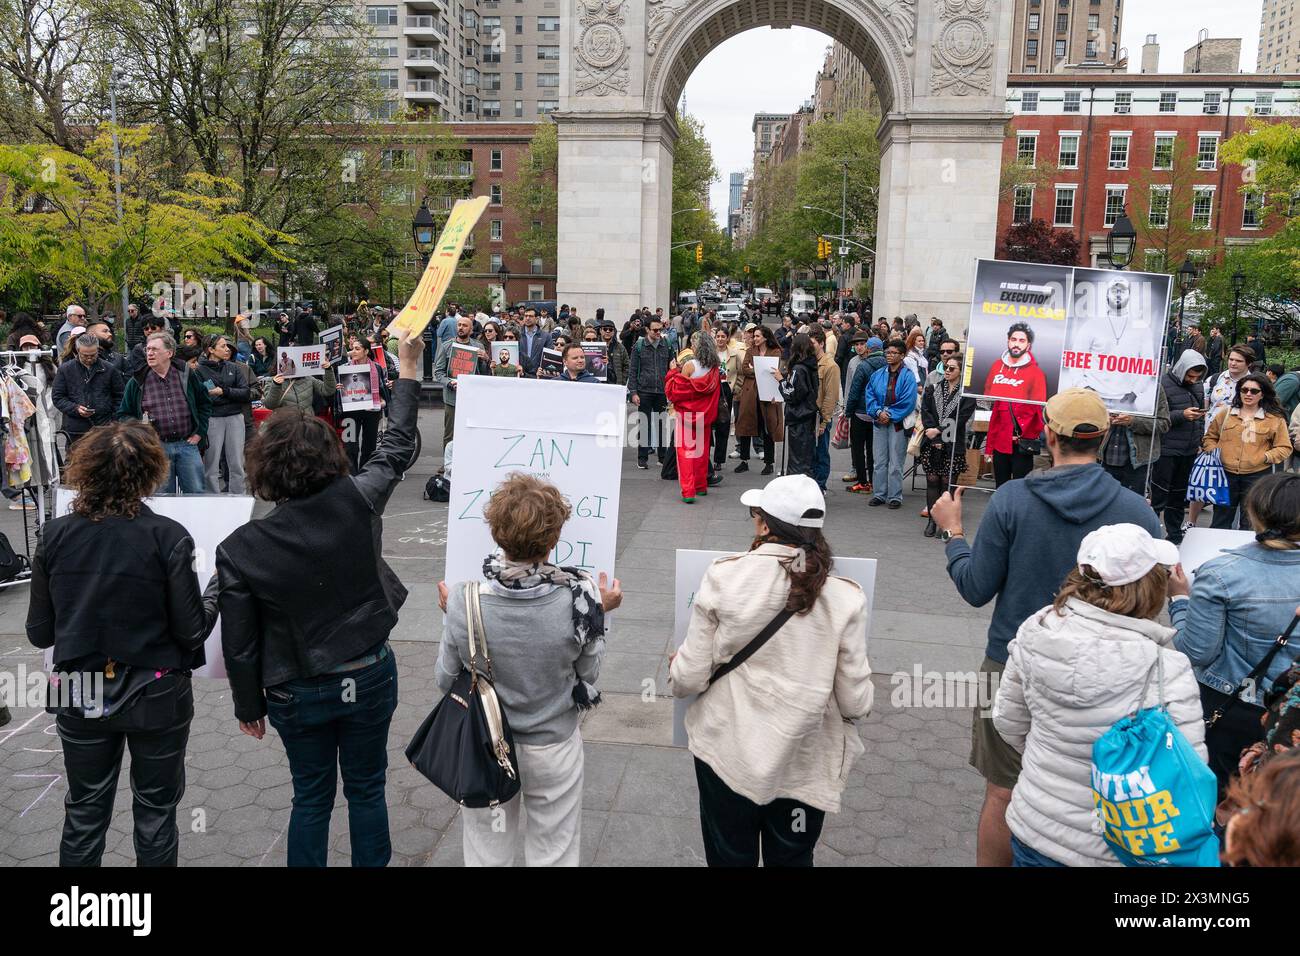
911 800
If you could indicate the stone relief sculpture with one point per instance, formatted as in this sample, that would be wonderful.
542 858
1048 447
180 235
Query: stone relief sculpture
902 14
962 57
658 14
600 67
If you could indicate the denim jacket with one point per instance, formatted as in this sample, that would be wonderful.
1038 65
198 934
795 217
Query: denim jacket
1240 602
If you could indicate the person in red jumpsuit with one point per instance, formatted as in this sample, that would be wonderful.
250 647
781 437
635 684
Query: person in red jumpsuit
692 386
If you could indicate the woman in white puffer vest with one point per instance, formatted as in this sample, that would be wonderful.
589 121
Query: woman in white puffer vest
1074 669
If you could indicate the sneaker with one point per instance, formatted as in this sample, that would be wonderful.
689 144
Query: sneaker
767 470
895 505
925 512
688 501
715 479
741 468
642 465
876 502
1187 526
860 489
849 479
734 454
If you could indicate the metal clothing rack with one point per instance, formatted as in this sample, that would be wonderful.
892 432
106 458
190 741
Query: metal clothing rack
10 359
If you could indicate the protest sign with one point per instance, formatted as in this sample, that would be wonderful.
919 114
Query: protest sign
462 360
571 437
691 566
415 315
1201 544
209 519
300 361
1038 329
331 340
356 395
552 363
511 347
597 358
768 390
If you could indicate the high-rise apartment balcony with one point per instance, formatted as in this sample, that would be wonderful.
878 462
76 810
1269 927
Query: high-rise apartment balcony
423 91
425 25
426 58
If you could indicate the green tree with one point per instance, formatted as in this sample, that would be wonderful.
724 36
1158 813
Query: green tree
534 192
694 171
1160 208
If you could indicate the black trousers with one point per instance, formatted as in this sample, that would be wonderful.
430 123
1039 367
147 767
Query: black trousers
737 831
722 428
360 434
156 729
1132 477
743 442
653 425
862 449
1238 487
1007 467
1236 730
1169 492
801 446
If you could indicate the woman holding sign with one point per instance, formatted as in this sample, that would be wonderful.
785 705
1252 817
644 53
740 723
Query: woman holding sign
756 419
360 425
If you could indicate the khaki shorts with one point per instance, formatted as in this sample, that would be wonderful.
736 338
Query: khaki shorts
995 759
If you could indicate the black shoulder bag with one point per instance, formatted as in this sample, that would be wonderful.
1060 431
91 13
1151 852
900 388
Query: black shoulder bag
1026 446
465 747
746 652
1259 671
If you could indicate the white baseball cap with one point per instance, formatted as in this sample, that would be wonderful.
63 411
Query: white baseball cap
1124 553
794 499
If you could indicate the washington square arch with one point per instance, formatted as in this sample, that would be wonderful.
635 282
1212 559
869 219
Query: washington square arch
939 67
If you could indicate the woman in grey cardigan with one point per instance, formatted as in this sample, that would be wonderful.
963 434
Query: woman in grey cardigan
545 635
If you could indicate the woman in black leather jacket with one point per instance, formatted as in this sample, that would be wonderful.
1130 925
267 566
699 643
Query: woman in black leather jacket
231 394
128 636
307 604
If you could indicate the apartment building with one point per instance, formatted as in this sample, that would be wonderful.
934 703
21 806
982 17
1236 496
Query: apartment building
1110 136
842 85
766 128
1049 35
1279 37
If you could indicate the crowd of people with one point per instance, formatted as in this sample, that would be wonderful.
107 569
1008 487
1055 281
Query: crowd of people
1078 556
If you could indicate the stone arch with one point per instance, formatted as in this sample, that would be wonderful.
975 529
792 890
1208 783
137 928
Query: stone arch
680 35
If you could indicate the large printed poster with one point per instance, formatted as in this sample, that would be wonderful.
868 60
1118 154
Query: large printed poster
1037 329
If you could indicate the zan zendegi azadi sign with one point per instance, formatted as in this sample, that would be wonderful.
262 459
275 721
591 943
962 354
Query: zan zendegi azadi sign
1037 329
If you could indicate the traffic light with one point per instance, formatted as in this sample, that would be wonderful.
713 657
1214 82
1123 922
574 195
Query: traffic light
699 252
746 270
823 248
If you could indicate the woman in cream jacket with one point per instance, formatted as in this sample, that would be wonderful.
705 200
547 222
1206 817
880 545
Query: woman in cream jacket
772 740
1073 670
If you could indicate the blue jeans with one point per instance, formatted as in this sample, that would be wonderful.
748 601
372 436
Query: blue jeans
889 449
1022 855
186 467
822 459
333 723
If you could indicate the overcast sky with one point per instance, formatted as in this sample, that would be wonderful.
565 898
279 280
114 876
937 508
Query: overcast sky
774 70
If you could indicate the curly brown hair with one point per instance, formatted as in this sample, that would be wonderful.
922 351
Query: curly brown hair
113 467
293 455
526 516
1266 828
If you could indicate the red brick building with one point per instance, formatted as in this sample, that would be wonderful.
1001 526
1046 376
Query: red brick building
1112 138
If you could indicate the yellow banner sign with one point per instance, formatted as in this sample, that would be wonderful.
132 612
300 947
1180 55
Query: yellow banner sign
442 266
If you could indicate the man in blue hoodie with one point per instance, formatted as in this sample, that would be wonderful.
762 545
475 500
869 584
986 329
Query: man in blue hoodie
1028 541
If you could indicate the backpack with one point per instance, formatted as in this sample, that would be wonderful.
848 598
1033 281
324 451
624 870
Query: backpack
1154 795
12 563
437 488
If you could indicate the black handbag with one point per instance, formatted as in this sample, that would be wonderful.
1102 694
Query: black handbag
1026 446
465 747
1256 673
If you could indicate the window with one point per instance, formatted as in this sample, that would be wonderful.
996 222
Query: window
494 164
490 55
1211 102
1119 150
491 81
1123 101
1060 49
1202 206
1158 214
548 24
383 80
1252 211
536 292
519 81
1027 148
1263 104
495 230
494 262
1073 98
495 189
547 106
1114 204
519 25
1029 101
381 16
548 53
399 194
385 110
491 25
383 49
1022 206
1094 21
1207 151
548 80
1164 151
402 159
535 265
1068 155
1168 101
1033 23
1090 50
471 76
1064 206
469 20
519 107
1031 48
491 109
519 54
1062 23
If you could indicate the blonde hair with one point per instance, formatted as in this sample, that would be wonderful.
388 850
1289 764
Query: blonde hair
1144 598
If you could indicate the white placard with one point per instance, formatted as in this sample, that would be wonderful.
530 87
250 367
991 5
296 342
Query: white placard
209 519
571 435
300 361
1201 544
356 395
768 387
691 566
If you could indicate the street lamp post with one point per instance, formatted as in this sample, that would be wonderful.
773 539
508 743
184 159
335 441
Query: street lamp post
1186 279
1121 243
390 263
422 234
114 79
504 275
1238 283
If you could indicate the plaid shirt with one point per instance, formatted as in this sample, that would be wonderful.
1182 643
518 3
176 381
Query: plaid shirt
163 400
